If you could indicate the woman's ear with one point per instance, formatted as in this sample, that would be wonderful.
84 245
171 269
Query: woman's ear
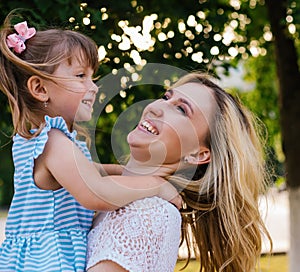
200 157
36 87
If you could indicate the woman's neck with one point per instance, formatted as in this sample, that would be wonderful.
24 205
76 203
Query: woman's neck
136 168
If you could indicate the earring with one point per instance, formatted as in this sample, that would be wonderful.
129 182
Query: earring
45 104
185 160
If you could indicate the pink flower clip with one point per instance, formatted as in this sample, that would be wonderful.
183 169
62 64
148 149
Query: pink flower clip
17 41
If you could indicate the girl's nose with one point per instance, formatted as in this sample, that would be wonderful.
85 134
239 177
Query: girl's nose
93 88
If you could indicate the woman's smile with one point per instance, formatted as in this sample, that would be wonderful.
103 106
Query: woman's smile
148 126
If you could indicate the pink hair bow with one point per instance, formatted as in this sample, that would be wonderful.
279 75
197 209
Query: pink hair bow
17 41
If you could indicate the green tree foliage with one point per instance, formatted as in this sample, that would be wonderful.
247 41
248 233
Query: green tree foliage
263 101
191 35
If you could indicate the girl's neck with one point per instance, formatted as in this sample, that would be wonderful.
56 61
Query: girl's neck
38 126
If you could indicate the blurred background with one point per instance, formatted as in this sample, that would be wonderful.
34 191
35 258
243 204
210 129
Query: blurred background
252 46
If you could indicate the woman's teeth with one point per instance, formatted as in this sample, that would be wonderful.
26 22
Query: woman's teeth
149 127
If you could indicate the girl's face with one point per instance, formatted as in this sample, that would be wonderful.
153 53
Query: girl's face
174 126
73 97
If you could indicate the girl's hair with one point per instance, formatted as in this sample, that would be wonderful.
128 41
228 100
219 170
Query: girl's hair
44 52
221 201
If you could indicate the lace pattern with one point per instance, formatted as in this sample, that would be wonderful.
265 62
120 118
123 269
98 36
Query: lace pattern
142 236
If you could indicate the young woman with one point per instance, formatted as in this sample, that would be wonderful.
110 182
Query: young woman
206 143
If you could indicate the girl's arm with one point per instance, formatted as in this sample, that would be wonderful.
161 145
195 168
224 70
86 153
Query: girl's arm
73 171
109 169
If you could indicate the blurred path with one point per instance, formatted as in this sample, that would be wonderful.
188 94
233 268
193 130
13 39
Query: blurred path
275 213
2 228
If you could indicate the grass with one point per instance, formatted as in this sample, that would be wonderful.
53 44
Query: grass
275 263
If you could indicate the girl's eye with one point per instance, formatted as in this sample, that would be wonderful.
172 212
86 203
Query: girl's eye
80 75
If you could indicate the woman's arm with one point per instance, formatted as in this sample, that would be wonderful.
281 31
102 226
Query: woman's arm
72 170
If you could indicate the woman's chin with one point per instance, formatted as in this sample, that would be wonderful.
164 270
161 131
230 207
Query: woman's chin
135 139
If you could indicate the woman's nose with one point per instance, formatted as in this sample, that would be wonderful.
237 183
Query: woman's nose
155 110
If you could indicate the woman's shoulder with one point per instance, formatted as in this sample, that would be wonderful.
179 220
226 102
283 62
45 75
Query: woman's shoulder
150 206
141 236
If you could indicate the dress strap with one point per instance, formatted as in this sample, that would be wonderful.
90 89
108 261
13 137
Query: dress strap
55 122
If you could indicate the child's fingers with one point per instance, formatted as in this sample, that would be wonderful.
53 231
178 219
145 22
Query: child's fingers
177 201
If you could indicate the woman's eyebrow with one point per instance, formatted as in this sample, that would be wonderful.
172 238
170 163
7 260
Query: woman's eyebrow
183 100
187 103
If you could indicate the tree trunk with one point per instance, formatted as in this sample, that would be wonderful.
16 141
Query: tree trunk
289 103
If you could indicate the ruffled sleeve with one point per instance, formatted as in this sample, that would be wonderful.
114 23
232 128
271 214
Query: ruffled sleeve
55 122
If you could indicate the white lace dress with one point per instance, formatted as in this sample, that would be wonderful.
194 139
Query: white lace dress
141 237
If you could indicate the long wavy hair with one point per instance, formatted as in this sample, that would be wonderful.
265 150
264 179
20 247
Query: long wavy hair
44 52
221 219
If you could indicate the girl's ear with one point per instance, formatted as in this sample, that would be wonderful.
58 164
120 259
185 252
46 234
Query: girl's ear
201 157
36 87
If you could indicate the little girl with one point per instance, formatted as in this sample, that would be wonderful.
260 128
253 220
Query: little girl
47 77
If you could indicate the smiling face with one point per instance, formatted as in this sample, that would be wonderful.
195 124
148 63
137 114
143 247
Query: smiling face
173 127
73 94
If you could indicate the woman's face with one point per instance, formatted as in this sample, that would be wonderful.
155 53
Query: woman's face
174 126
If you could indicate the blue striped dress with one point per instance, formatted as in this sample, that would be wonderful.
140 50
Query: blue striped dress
46 230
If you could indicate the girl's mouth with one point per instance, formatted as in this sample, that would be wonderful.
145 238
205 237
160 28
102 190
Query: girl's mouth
87 102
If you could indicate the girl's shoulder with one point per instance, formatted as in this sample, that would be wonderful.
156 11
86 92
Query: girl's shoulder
59 123
38 142
56 128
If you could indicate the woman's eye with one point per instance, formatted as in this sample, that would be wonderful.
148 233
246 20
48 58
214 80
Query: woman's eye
182 109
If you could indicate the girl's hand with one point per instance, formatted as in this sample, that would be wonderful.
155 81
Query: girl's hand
177 201
109 169
169 193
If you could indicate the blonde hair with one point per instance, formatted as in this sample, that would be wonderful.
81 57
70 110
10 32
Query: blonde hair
43 54
221 201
